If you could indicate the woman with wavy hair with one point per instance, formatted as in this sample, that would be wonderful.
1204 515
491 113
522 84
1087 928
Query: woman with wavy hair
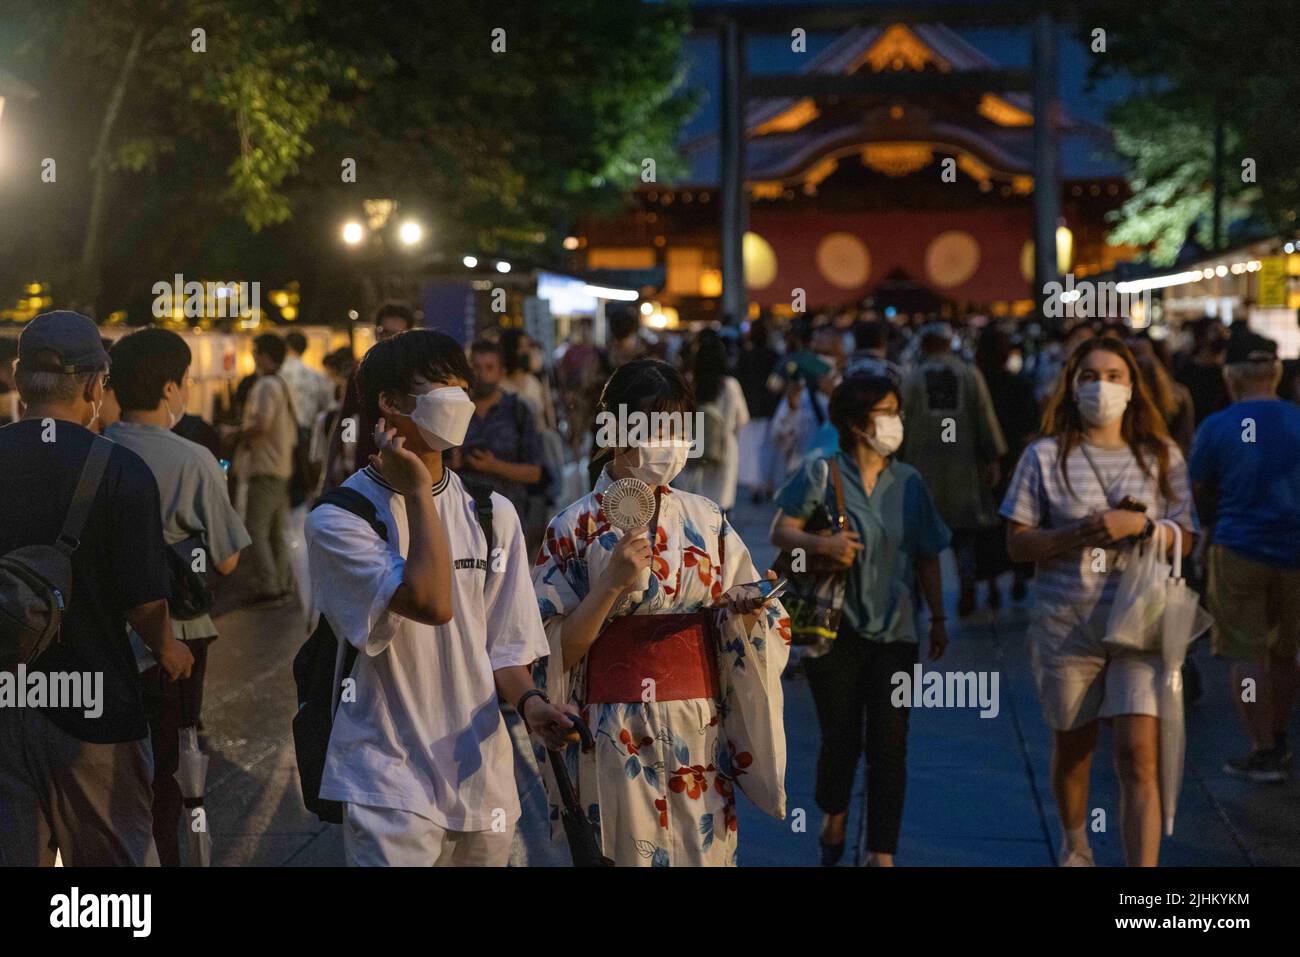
1103 470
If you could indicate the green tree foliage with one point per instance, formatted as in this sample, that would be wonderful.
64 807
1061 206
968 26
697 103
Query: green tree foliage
1198 62
1170 151
227 162
504 145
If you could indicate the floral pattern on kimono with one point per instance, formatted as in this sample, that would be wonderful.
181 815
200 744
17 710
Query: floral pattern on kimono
662 780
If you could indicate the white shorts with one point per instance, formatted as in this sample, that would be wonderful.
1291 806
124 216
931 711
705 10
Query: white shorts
388 837
1080 678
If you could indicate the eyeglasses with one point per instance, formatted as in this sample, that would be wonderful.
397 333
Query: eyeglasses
887 412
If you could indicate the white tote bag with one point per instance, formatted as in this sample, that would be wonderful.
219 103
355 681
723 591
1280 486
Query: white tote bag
1135 616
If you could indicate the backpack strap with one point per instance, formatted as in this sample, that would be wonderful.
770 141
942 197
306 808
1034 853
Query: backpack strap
483 509
350 500
84 495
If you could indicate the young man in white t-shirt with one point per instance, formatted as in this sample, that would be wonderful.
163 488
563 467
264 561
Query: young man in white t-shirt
419 752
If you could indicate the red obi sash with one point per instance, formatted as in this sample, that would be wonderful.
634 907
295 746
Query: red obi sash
677 651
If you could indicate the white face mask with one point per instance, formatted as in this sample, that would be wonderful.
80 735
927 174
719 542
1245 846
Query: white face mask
94 411
888 437
660 462
174 417
443 417
1101 403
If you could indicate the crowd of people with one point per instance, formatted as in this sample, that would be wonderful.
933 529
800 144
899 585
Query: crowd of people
460 550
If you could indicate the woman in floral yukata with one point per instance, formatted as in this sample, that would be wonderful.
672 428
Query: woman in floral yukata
671 751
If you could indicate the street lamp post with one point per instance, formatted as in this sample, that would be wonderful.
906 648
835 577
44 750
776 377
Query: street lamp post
368 241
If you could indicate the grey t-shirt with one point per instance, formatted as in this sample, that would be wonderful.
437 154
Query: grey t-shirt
195 502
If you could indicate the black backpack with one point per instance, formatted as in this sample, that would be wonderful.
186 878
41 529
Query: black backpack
314 667
36 580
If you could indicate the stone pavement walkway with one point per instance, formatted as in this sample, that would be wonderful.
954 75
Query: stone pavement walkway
978 789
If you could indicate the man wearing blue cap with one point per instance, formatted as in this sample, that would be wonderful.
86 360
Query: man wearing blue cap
1246 462
76 777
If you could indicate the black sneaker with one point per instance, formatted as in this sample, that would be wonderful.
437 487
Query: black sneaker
1259 766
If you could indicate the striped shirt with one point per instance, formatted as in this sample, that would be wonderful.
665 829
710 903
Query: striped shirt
1039 498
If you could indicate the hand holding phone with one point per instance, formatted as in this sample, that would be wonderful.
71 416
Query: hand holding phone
745 599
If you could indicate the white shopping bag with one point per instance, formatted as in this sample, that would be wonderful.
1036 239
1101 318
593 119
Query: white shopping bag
1134 621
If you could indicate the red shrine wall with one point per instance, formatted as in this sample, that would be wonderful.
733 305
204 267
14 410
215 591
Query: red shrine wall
896 240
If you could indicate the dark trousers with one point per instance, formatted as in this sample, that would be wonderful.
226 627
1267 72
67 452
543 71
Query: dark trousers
851 687
171 705
90 801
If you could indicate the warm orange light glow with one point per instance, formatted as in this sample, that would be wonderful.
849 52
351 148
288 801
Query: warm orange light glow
993 107
789 120
897 159
898 48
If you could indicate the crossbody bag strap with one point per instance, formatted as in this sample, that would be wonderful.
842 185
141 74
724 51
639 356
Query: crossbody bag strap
1105 491
288 400
839 491
84 495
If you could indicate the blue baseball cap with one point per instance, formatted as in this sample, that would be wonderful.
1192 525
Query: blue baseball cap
62 341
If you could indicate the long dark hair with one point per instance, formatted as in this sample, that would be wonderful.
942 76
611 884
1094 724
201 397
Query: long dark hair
709 367
510 341
1143 428
642 385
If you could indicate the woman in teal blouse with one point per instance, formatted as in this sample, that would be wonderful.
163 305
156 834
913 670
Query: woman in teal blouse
891 548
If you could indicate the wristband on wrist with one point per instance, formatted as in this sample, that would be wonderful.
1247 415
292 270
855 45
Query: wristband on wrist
523 700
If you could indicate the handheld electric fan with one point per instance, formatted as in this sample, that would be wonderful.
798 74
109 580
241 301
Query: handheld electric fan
630 503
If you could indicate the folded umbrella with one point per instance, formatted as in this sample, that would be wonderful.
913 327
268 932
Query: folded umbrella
1183 622
577 828
192 776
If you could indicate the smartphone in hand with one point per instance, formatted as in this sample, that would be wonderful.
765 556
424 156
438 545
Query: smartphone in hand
769 588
